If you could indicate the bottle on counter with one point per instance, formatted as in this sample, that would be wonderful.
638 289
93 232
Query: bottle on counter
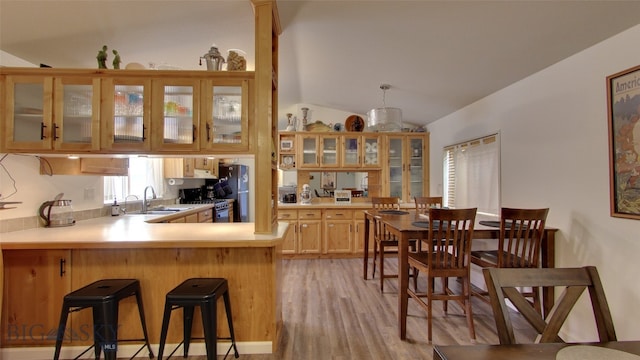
115 208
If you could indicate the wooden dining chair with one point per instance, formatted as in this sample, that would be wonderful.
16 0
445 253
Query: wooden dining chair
503 285
521 232
447 255
423 203
385 242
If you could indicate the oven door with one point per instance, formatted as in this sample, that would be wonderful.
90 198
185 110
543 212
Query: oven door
222 216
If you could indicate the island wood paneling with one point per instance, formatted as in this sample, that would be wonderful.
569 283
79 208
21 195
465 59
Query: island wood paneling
252 274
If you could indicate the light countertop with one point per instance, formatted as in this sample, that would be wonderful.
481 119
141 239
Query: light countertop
133 231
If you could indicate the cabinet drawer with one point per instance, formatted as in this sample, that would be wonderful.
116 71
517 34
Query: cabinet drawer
358 214
338 214
205 216
287 214
309 214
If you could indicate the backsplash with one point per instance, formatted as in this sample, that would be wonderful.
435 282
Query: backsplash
30 222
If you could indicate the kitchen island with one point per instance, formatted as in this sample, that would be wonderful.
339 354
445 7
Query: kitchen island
42 265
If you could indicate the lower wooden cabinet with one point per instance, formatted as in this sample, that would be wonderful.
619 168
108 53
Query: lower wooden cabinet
289 244
324 232
310 234
338 231
35 283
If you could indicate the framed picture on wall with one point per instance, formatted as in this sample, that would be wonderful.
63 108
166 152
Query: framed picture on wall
623 92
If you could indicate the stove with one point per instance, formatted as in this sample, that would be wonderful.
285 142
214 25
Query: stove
220 204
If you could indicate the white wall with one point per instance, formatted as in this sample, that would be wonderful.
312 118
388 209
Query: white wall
554 153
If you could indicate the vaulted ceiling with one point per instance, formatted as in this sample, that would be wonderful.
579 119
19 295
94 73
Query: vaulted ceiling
438 56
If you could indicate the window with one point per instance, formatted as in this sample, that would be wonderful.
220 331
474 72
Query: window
142 173
471 172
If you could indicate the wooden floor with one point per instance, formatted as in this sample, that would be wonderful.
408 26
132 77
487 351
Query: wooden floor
331 312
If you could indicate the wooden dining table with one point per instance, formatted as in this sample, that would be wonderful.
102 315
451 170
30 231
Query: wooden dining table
546 351
402 227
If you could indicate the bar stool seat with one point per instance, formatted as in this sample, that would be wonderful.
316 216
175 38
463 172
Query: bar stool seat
203 292
103 296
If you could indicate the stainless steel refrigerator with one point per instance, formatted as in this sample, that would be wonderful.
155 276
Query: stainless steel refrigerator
238 179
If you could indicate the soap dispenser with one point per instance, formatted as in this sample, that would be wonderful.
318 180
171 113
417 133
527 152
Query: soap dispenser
115 208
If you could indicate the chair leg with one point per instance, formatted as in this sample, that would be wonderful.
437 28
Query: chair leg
445 286
165 327
209 323
467 301
64 314
375 256
187 313
381 268
143 322
429 310
227 307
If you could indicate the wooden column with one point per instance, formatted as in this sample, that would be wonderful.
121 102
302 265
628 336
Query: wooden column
267 31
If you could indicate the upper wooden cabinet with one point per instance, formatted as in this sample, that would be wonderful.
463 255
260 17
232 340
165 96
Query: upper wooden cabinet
334 150
126 111
49 113
407 173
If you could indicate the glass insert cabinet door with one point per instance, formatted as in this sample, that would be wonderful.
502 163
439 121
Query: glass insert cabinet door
80 126
46 113
396 167
416 167
308 153
329 151
126 114
179 111
227 109
371 151
351 151
30 111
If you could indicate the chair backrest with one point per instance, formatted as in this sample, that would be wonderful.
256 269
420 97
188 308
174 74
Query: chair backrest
450 233
386 203
503 284
425 202
521 232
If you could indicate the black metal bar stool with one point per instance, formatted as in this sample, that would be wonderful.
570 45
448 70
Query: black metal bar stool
203 292
103 296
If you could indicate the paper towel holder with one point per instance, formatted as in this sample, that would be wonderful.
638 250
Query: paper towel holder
175 181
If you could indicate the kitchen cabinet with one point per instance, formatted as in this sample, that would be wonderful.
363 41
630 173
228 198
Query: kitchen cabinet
126 114
338 231
205 216
407 166
310 234
207 164
175 110
308 148
84 166
287 151
35 283
225 115
358 235
178 167
289 244
133 111
48 113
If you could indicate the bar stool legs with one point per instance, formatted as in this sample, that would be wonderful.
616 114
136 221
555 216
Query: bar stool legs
103 296
202 292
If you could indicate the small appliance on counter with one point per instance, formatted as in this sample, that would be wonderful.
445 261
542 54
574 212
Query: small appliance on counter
305 195
57 212
287 194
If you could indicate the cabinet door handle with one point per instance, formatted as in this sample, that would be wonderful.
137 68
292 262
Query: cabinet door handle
350 228
63 262
55 131
194 133
208 129
42 126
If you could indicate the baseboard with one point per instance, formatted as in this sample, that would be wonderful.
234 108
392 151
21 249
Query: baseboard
70 352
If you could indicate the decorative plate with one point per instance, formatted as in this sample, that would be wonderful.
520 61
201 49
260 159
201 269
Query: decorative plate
354 123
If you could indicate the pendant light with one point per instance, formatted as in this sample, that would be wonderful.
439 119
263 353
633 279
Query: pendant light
384 119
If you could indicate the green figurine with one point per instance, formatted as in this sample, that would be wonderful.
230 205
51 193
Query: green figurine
102 58
116 60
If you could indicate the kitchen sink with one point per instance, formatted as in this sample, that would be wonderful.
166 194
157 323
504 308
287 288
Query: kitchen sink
162 210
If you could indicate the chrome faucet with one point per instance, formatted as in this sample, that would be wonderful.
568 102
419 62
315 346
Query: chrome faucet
146 204
124 209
